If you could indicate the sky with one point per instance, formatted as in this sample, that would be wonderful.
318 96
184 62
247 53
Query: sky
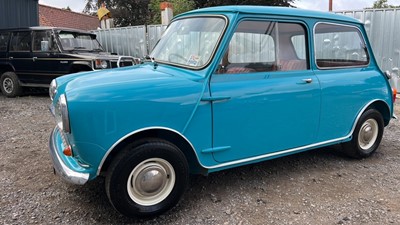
322 5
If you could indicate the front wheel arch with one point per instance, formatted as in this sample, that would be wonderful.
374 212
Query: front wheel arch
160 133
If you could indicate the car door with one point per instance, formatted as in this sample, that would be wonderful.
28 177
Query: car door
20 55
45 61
4 38
265 99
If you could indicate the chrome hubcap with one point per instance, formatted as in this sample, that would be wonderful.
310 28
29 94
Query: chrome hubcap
368 134
151 181
8 85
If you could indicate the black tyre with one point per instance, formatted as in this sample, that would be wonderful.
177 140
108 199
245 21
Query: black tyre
10 85
147 178
367 135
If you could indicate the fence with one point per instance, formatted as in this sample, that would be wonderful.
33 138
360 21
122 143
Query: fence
133 41
382 28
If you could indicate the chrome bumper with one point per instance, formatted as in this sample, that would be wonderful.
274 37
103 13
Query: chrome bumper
61 168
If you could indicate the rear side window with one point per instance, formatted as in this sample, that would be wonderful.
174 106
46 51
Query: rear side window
21 42
339 46
4 36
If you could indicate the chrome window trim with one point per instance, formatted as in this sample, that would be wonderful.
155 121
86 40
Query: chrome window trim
212 54
300 22
340 67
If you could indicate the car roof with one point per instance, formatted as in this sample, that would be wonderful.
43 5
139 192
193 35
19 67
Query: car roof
57 29
274 10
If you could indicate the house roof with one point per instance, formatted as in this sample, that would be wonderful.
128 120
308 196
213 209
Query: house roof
55 17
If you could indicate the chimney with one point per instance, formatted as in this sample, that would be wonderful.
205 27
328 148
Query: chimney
166 12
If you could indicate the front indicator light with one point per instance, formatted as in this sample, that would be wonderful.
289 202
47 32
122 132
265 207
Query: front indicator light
394 94
68 151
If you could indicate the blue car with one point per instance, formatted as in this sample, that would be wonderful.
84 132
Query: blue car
224 87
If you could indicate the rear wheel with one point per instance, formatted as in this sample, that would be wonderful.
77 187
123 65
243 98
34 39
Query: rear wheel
367 135
10 85
147 179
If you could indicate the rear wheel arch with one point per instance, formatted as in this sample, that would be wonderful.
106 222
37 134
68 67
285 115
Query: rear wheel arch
6 68
171 136
10 85
383 108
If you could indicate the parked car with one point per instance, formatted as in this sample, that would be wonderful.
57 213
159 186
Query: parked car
224 87
32 57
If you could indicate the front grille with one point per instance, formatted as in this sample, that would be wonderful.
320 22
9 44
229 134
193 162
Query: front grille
122 63
63 138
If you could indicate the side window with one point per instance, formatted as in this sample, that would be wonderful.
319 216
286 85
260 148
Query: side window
21 42
42 41
4 36
339 46
259 46
299 42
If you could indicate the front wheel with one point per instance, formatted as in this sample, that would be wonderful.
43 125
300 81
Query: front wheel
367 135
147 179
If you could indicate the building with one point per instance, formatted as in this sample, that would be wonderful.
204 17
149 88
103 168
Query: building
19 13
55 17
28 13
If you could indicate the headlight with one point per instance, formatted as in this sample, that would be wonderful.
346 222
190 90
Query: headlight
101 64
53 89
61 114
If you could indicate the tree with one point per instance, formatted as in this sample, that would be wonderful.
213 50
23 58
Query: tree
68 8
179 6
124 12
379 4
139 12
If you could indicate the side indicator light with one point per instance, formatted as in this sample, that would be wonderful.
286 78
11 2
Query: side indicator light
394 94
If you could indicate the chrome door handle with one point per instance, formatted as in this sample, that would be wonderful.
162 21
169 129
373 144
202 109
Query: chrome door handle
34 58
10 57
308 80
215 98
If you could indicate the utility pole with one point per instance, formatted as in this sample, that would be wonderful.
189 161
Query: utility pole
330 5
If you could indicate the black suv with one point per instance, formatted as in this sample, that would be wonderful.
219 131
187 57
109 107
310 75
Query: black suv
32 57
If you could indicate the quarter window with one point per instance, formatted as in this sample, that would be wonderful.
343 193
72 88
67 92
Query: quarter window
3 41
21 42
259 46
339 46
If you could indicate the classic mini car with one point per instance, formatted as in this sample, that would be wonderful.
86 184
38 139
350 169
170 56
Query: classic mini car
224 87
33 57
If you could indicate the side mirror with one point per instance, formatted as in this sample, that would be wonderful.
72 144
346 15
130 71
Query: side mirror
388 74
44 46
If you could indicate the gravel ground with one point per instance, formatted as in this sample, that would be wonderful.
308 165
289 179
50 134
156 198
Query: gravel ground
315 187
